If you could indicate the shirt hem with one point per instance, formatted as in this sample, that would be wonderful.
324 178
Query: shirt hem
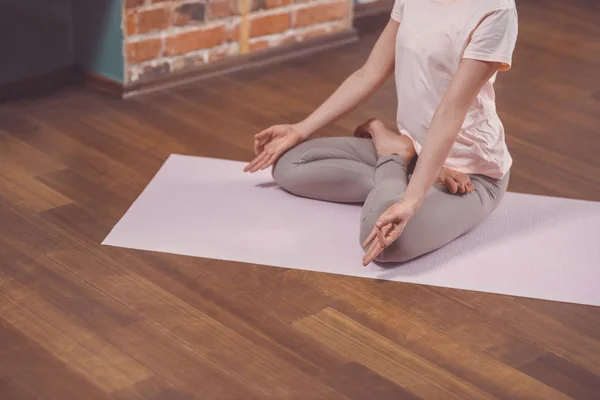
506 61
490 173
396 18
493 173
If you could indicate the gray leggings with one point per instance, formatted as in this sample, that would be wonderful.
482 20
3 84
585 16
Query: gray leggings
348 170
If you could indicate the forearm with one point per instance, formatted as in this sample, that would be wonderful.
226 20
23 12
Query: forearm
442 133
355 89
358 86
446 124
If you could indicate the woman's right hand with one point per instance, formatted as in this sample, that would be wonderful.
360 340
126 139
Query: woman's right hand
271 143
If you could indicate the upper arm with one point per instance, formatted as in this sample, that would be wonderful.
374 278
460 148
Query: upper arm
488 51
494 38
468 81
380 63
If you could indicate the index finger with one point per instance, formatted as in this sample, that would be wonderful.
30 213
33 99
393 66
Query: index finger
260 138
370 238
264 135
389 219
251 166
372 253
382 232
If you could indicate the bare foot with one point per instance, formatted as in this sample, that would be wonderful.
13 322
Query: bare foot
456 182
386 141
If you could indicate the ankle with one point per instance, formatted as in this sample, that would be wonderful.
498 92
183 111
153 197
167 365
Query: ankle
401 146
375 124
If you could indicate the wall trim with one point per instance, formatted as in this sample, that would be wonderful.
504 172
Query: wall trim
75 74
38 85
101 83
242 62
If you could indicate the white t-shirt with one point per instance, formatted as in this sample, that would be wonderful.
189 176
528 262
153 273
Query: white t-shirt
433 37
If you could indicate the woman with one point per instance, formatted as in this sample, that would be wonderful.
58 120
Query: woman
447 54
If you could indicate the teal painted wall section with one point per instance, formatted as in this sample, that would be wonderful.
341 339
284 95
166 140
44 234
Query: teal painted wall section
38 37
98 37
35 38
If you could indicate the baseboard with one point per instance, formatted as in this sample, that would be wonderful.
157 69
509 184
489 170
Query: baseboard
76 74
243 62
373 8
101 83
38 85
45 83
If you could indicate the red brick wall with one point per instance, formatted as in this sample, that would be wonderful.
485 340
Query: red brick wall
165 36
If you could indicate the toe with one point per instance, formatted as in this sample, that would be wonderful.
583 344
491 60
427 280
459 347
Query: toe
463 179
451 184
464 182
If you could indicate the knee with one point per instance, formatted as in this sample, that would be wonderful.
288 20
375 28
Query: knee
286 172
398 252
378 201
290 175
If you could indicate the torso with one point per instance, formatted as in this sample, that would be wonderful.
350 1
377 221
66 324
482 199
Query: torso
430 43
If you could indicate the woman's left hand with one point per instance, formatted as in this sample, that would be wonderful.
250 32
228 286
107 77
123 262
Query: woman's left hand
387 229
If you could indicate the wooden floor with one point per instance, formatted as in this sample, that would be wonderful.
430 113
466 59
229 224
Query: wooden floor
82 321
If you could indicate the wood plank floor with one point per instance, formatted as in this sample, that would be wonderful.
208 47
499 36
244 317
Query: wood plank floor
82 321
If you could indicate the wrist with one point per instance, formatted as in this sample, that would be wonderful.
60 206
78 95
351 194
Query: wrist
302 129
414 202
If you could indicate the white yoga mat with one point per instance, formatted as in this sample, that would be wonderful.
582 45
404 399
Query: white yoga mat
531 246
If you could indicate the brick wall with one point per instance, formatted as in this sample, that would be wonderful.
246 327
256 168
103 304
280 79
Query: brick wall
162 37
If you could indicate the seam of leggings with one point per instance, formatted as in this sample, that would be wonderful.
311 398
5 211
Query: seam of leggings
302 158
357 154
394 157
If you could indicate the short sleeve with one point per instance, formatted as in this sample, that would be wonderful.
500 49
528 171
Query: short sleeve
397 11
495 38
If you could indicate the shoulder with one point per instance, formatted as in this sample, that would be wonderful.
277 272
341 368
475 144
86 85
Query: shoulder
497 12
398 10
501 5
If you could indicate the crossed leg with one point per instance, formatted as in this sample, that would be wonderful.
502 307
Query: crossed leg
331 169
353 170
441 218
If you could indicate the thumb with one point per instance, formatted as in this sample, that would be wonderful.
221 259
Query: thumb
264 134
258 146
386 219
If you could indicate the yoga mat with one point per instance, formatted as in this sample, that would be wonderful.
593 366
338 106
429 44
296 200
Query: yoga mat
531 246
